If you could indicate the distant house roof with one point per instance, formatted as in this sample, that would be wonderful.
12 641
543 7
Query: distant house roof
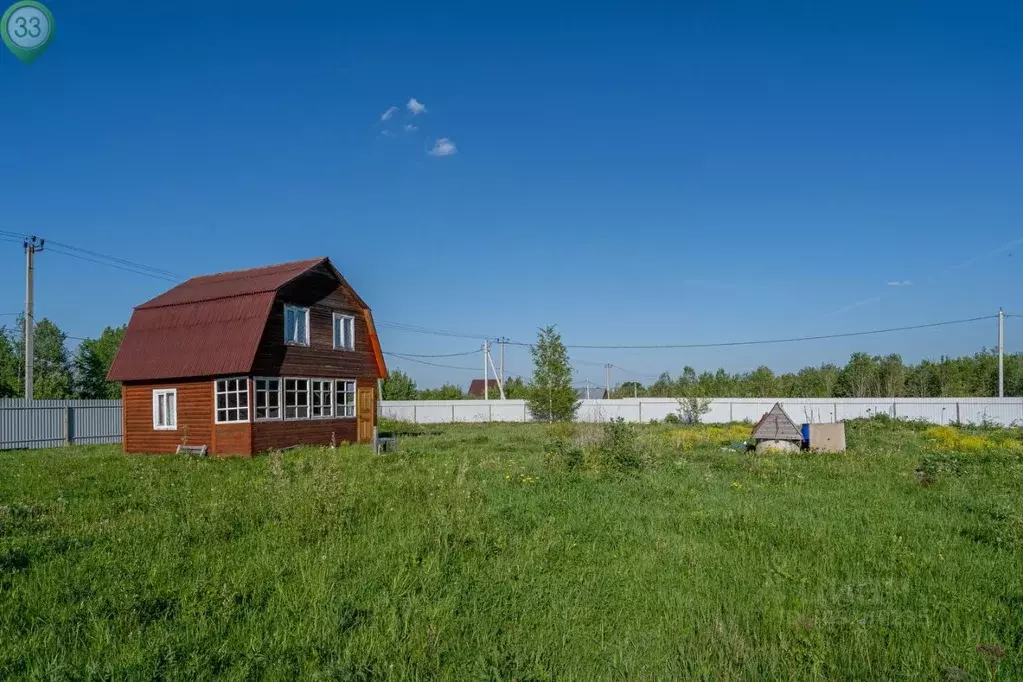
476 387
211 325
776 425
596 393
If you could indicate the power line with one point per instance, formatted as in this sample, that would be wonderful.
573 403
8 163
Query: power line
432 364
113 265
401 326
443 355
102 258
818 337
158 271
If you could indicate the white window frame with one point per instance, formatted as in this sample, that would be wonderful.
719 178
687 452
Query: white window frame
288 341
280 398
238 393
337 403
347 340
326 388
157 394
284 404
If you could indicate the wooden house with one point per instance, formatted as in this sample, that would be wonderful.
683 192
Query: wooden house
250 360
478 389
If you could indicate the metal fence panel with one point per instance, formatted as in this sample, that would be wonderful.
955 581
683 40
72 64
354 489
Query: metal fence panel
54 423
1001 411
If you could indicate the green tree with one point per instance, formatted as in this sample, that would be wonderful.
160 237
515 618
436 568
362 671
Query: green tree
628 389
664 387
398 386
92 362
445 392
551 396
10 367
515 388
891 376
858 379
762 383
52 379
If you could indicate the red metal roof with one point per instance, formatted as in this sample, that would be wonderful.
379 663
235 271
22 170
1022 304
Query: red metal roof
236 283
208 326
476 387
205 338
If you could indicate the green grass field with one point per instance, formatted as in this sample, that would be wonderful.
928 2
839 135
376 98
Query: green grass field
474 553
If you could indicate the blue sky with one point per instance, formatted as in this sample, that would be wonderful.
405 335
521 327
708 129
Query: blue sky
714 174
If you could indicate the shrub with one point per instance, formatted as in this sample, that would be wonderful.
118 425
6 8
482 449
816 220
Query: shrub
672 418
619 448
562 430
692 408
562 454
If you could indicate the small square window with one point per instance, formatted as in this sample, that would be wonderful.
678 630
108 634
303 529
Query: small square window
232 400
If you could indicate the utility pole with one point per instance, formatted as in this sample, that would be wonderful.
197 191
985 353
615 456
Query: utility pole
503 341
499 380
486 371
607 380
32 247
1001 344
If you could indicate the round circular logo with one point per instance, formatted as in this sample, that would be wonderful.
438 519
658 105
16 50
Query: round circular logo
28 27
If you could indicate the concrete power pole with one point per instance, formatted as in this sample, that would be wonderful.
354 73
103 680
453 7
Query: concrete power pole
607 380
1001 344
486 370
32 247
503 341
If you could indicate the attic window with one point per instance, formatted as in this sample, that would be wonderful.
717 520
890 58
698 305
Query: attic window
344 332
296 325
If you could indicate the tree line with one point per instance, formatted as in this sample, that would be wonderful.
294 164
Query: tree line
58 373
863 376
62 373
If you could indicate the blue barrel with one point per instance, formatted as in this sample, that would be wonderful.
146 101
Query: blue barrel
806 433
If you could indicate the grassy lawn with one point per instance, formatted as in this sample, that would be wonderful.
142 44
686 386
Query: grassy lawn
475 553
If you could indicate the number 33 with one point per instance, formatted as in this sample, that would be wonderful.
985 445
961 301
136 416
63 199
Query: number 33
26 28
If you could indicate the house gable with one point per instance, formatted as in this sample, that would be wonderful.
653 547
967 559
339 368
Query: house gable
324 293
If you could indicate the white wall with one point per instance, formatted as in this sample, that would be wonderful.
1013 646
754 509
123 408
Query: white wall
1004 411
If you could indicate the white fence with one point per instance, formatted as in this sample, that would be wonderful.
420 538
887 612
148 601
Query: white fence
1003 411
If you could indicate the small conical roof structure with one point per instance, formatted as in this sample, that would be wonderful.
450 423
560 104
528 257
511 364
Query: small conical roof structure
776 425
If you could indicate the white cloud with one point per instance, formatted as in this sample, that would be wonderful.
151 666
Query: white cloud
900 283
857 304
416 107
410 128
386 133
443 147
386 116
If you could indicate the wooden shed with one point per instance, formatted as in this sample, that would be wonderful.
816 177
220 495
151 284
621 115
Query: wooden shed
250 360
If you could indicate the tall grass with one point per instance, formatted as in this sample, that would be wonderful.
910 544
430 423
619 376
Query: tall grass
472 553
